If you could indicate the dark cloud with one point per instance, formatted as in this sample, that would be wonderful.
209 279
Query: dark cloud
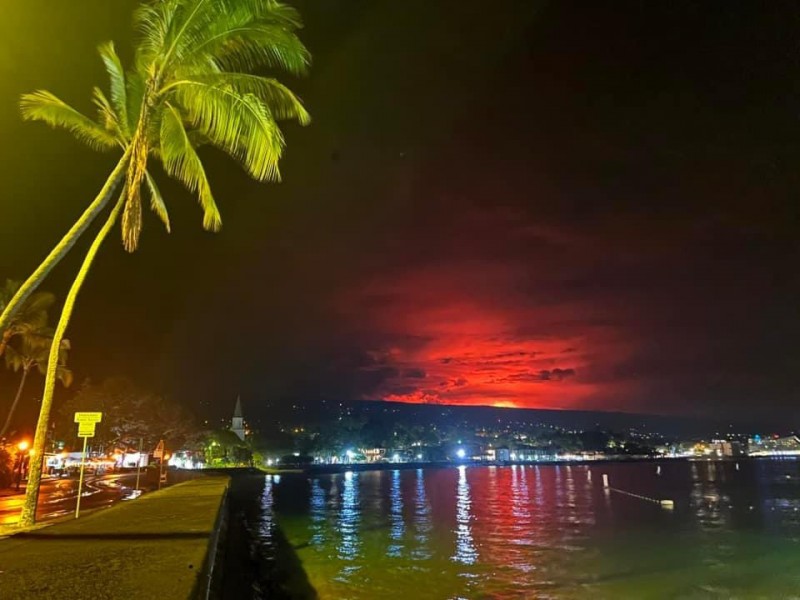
414 373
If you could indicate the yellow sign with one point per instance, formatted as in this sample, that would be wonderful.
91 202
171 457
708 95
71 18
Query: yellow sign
88 417
86 430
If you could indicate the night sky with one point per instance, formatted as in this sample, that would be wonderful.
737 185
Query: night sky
552 205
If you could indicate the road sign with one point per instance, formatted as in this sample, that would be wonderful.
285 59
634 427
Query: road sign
86 430
88 417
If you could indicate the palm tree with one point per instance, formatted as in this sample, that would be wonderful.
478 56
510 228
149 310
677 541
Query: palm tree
32 349
31 316
192 83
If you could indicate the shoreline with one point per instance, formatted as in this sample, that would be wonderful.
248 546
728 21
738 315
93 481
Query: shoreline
360 467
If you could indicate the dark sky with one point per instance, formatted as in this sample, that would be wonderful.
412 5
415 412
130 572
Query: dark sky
517 203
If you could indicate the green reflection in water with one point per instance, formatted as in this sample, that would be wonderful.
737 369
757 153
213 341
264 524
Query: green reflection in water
548 532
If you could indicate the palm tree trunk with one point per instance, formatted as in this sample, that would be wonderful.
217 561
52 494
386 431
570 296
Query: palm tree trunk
16 401
61 249
37 458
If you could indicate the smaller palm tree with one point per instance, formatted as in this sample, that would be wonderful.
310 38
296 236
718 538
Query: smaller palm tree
30 350
31 317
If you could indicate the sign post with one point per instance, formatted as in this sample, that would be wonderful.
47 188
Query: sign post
86 422
139 463
159 454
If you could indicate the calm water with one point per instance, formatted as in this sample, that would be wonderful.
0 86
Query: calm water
545 531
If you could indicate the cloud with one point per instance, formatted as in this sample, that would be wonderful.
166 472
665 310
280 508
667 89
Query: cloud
414 373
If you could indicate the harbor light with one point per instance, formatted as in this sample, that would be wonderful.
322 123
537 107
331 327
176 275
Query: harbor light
461 453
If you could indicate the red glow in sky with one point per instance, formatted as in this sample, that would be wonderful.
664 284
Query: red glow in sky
465 333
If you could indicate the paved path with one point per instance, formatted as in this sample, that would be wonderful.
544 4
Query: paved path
151 547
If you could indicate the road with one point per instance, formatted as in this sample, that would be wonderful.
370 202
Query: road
57 497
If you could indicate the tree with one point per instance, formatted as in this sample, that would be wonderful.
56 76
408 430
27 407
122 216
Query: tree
192 83
31 349
129 414
31 316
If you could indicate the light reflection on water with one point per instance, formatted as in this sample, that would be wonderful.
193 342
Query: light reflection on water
398 526
549 531
465 548
349 518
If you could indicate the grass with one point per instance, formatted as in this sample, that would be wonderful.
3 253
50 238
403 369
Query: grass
152 547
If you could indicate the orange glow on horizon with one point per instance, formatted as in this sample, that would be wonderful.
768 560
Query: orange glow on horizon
464 338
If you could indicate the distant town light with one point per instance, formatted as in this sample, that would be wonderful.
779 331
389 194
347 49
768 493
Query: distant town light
396 457
461 453
419 456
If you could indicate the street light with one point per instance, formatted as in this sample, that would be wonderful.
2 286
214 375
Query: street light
21 447
461 453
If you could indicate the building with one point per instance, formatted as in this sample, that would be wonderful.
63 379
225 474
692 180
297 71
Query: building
774 446
726 448
237 423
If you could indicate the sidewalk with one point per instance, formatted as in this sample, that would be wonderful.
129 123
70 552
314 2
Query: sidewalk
152 547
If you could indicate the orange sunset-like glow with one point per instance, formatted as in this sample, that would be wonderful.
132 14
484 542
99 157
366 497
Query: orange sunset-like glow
464 336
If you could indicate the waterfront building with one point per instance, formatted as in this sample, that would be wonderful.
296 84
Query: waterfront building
775 446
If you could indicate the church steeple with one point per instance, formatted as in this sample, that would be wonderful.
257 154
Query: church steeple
237 423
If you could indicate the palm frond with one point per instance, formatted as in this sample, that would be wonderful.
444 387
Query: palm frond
45 106
262 45
64 375
33 311
239 124
156 200
135 95
153 20
247 34
119 91
281 101
107 115
181 161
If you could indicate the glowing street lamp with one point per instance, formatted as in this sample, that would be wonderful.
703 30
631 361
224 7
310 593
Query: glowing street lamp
461 453
23 445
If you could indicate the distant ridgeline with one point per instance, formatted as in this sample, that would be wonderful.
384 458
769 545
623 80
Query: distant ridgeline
568 419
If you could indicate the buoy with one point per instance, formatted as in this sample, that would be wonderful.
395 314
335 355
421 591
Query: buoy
605 480
668 504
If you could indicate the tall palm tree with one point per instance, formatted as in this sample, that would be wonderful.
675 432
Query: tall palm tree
32 349
31 316
192 83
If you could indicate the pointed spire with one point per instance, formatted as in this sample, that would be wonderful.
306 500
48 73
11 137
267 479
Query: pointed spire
237 412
